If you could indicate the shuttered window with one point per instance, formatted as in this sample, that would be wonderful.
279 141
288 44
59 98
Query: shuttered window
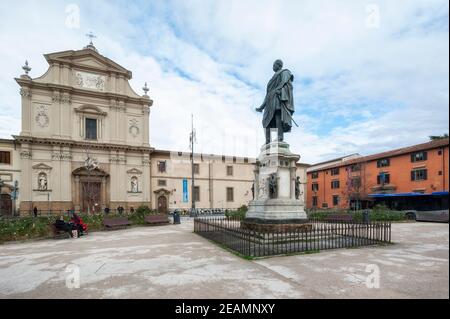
5 157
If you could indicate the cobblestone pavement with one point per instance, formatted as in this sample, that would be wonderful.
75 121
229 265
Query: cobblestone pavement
173 262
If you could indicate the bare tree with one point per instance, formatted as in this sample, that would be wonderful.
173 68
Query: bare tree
358 185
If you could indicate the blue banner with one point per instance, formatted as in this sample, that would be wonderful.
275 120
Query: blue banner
185 191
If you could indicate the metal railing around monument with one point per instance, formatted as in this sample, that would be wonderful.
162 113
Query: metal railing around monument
322 235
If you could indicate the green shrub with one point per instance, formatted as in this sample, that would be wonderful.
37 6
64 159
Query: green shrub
378 213
239 213
138 216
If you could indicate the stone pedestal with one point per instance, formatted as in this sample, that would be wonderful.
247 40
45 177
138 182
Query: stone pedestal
279 207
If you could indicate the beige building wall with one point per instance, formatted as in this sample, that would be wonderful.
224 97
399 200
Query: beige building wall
52 147
77 86
212 178
9 174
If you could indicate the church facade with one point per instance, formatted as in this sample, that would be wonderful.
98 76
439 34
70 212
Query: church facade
84 145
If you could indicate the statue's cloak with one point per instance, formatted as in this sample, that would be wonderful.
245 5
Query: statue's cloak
283 101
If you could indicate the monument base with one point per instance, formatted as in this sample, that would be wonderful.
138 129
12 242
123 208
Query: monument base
277 196
271 226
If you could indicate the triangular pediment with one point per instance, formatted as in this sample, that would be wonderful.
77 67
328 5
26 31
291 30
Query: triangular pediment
42 166
87 59
134 171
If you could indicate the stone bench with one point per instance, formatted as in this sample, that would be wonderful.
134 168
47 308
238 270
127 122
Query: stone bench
160 219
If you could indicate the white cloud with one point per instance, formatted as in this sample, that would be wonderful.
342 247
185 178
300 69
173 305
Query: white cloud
356 89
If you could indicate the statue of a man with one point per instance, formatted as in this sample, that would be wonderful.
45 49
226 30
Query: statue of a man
278 105
297 187
273 185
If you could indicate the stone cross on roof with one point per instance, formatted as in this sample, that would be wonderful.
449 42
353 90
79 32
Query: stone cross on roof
91 36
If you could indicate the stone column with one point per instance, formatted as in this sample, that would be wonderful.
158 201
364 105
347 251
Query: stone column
145 119
25 93
27 182
77 200
103 194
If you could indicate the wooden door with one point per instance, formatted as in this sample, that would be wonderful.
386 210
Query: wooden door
162 205
5 205
91 197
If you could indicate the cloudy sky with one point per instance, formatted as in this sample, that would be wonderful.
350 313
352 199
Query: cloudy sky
369 75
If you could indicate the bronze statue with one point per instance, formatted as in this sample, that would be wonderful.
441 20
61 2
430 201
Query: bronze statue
278 105
253 190
273 185
297 187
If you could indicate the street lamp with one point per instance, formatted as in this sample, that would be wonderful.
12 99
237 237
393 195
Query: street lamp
1 185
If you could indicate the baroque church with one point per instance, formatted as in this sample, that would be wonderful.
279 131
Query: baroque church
84 145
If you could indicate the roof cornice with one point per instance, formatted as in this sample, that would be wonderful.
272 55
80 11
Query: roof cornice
108 95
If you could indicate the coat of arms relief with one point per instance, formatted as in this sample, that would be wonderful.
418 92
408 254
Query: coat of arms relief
41 118
90 80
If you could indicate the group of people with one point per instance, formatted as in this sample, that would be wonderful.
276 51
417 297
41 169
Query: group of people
75 226
120 210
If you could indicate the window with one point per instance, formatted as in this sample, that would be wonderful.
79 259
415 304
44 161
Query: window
418 156
196 168
314 174
315 187
355 168
383 178
355 182
162 166
5 157
162 182
334 171
314 201
197 193
324 205
440 152
334 184
385 162
335 200
440 173
230 194
419 175
230 170
91 129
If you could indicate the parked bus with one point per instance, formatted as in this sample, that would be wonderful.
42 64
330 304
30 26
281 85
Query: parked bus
421 207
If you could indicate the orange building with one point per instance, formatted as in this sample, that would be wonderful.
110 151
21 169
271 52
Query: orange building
350 182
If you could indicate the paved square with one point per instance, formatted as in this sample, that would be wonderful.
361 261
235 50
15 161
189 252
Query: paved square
173 262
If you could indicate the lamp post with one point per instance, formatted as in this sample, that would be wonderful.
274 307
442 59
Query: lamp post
192 140
14 195
1 185
48 202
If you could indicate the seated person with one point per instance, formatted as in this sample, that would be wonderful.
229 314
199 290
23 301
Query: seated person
60 224
78 224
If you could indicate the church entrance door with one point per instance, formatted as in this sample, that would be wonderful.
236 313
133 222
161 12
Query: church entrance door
91 197
162 204
5 205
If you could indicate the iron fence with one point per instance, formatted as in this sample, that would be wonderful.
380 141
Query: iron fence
320 236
